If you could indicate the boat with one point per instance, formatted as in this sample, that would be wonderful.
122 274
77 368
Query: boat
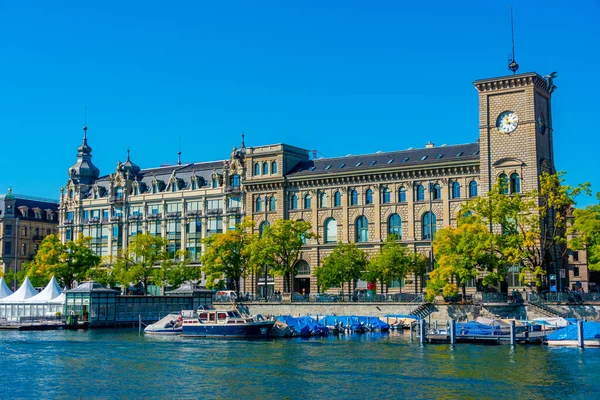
299 326
568 336
206 322
169 325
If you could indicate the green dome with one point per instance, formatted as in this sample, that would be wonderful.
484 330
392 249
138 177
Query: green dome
9 195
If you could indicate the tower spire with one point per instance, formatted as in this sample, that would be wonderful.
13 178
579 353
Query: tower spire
512 65
85 127
179 152
243 143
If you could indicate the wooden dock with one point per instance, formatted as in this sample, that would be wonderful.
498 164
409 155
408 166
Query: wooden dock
36 326
529 338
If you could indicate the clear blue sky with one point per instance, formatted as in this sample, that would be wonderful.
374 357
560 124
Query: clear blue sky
341 77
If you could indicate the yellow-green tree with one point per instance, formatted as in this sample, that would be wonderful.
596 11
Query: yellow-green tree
227 256
346 263
279 248
68 263
392 263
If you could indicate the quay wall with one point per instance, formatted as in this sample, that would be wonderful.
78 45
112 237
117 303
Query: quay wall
439 312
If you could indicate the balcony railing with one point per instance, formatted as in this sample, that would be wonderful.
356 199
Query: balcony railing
233 210
115 218
154 216
193 213
214 211
232 189
135 217
37 237
68 222
173 214
116 199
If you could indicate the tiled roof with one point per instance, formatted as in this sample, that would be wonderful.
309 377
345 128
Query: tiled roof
394 159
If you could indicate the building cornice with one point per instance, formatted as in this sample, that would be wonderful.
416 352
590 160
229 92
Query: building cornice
519 81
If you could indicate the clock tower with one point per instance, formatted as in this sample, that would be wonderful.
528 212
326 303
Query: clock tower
515 130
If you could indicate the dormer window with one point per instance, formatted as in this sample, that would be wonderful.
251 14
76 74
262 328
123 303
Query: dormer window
215 183
174 187
95 193
136 190
70 193
154 188
194 184
234 180
119 193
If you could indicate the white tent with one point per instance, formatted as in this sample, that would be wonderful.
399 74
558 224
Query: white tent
4 290
50 292
60 299
23 293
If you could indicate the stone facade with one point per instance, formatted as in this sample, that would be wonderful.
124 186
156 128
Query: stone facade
411 193
24 222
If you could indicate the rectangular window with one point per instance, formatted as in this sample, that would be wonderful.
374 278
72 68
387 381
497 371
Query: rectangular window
105 213
70 215
23 249
136 210
575 271
7 248
95 213
174 207
233 202
576 256
69 234
193 206
8 230
117 211
155 209
215 225
86 215
214 204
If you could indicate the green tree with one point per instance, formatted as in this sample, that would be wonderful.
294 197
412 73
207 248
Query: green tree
392 263
418 267
346 263
533 225
279 248
585 229
68 263
140 261
174 272
228 256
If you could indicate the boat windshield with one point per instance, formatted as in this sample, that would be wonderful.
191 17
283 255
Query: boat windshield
233 314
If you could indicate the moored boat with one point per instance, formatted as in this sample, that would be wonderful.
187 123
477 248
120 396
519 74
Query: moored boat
169 325
568 336
210 323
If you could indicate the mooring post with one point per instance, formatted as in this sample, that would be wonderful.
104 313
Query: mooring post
513 333
453 331
580 334
422 330
140 324
412 325
435 325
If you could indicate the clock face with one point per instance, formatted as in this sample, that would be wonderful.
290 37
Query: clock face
507 122
541 123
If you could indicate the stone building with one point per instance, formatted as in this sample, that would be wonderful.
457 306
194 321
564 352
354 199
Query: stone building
359 198
24 222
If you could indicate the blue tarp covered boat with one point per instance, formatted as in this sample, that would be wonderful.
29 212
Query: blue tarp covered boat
304 326
568 336
477 329
354 323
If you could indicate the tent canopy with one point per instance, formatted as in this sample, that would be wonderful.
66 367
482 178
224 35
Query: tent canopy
4 290
23 293
50 292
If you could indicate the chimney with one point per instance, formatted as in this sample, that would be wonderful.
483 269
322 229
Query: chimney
429 145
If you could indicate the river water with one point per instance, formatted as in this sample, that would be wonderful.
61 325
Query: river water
120 364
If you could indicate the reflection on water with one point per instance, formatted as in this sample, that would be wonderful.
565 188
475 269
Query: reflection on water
99 364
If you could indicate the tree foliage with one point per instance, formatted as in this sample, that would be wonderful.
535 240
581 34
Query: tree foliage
228 256
392 263
346 263
279 248
586 233
68 263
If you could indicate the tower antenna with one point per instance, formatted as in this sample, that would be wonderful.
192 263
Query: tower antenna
512 65
85 125
179 152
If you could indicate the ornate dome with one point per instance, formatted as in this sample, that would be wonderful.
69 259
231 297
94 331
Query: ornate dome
83 171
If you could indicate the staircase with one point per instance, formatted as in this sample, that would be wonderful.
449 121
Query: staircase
422 311
546 309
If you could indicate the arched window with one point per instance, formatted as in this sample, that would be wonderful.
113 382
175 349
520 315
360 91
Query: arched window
362 229
429 225
70 194
274 167
503 179
456 190
265 168
395 225
302 268
369 196
353 198
337 199
215 183
234 181
473 189
307 202
257 169
515 183
387 193
420 193
402 194
258 205
272 203
294 202
262 226
436 191
331 231
323 200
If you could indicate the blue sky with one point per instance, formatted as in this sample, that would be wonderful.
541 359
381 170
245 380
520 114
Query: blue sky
341 77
